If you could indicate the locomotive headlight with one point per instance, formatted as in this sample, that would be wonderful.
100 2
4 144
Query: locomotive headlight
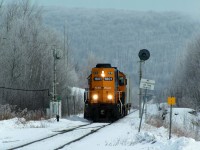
103 74
110 97
95 97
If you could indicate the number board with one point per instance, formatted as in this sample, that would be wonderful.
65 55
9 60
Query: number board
108 79
97 79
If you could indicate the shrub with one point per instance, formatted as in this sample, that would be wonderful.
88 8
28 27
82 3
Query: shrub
10 111
7 111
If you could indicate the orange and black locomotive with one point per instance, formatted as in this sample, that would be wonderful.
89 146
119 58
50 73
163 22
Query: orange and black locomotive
107 95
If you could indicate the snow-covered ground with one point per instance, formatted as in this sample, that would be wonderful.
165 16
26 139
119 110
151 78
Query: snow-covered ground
185 121
121 135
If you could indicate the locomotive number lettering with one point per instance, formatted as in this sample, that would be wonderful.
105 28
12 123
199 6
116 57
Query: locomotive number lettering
97 79
97 88
107 88
108 79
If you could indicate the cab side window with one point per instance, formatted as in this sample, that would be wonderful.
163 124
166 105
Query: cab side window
121 81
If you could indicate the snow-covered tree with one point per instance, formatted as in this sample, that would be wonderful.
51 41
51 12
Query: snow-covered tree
186 83
27 46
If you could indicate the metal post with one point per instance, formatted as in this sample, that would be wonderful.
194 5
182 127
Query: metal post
140 90
74 105
54 84
68 111
58 116
170 125
58 108
145 107
142 111
72 97
54 75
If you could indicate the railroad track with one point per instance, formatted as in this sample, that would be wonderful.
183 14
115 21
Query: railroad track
83 136
92 131
59 132
65 137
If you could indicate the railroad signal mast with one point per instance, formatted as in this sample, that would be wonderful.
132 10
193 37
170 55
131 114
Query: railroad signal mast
55 103
143 55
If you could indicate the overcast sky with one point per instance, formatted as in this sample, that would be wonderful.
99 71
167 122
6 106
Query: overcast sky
188 6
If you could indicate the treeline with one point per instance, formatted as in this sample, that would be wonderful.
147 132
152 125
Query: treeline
116 36
26 57
186 82
29 34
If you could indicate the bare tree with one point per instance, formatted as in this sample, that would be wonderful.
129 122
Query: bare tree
27 56
186 81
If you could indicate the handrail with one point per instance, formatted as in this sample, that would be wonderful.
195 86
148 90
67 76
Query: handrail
120 100
86 95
